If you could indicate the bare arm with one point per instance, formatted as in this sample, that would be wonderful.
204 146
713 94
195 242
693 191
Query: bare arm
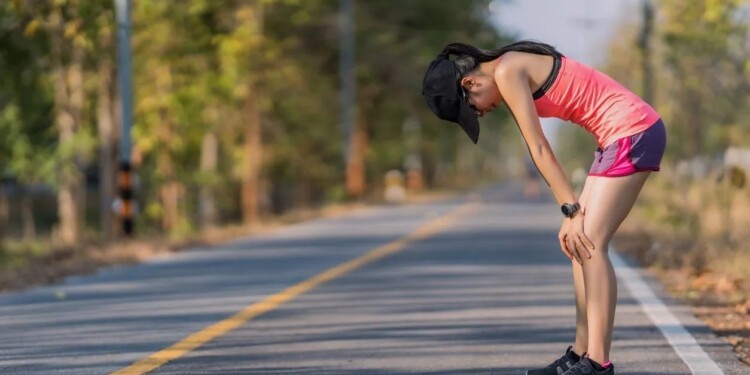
513 82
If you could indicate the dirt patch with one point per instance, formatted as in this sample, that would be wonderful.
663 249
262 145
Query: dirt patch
722 302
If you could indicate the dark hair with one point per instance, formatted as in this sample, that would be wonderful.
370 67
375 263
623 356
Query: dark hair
469 57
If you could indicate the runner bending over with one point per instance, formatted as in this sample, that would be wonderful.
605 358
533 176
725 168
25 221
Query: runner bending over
535 80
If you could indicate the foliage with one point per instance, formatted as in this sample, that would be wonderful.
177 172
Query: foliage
199 66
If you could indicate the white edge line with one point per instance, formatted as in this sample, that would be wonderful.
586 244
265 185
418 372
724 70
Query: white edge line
682 341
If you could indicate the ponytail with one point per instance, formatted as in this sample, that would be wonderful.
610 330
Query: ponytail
469 57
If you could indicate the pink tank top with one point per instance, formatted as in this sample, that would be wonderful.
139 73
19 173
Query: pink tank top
596 102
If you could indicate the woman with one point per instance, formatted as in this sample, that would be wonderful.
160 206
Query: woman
535 80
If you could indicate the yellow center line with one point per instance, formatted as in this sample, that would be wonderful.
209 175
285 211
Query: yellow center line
269 303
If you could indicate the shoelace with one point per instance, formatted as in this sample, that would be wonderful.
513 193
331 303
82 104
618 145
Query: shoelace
560 361
580 368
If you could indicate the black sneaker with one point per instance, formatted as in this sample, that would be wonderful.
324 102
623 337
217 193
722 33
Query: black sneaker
584 367
559 366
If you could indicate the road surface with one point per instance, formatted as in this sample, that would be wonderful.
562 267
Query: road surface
471 285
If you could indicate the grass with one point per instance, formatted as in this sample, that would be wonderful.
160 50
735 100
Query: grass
14 253
699 227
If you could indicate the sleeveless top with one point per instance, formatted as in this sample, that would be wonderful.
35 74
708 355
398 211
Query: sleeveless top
586 97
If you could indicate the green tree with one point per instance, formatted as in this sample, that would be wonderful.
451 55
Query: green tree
705 54
28 147
236 102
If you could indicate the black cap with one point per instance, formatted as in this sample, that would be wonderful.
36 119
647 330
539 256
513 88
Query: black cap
443 93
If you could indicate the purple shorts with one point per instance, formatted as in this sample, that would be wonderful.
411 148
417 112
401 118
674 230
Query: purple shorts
639 152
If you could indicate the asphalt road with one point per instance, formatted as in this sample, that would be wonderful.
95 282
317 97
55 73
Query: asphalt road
473 285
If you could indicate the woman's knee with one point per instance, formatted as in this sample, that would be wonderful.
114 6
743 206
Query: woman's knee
599 255
598 234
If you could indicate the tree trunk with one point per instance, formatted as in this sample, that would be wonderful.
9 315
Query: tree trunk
252 155
4 214
694 125
170 196
75 82
355 166
105 124
644 43
251 15
209 161
170 190
27 216
69 228
302 195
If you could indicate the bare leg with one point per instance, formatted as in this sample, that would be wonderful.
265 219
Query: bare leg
608 202
582 331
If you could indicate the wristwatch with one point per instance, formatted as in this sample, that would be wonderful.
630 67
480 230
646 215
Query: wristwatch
569 209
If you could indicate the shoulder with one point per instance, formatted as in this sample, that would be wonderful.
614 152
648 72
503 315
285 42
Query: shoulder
512 67
512 64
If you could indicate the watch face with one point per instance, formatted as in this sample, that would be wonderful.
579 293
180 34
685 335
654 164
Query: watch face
566 210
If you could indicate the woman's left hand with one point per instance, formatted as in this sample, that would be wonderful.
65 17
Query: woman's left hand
576 239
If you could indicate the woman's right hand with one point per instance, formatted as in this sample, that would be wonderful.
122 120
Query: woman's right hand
563 240
573 241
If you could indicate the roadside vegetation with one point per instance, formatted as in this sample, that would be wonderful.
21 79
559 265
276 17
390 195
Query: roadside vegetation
236 123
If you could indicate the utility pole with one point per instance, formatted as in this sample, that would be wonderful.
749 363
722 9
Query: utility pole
644 43
347 77
125 175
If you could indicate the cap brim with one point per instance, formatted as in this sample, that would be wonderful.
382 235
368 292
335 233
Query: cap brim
468 121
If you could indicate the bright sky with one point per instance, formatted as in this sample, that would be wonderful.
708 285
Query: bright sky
577 28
